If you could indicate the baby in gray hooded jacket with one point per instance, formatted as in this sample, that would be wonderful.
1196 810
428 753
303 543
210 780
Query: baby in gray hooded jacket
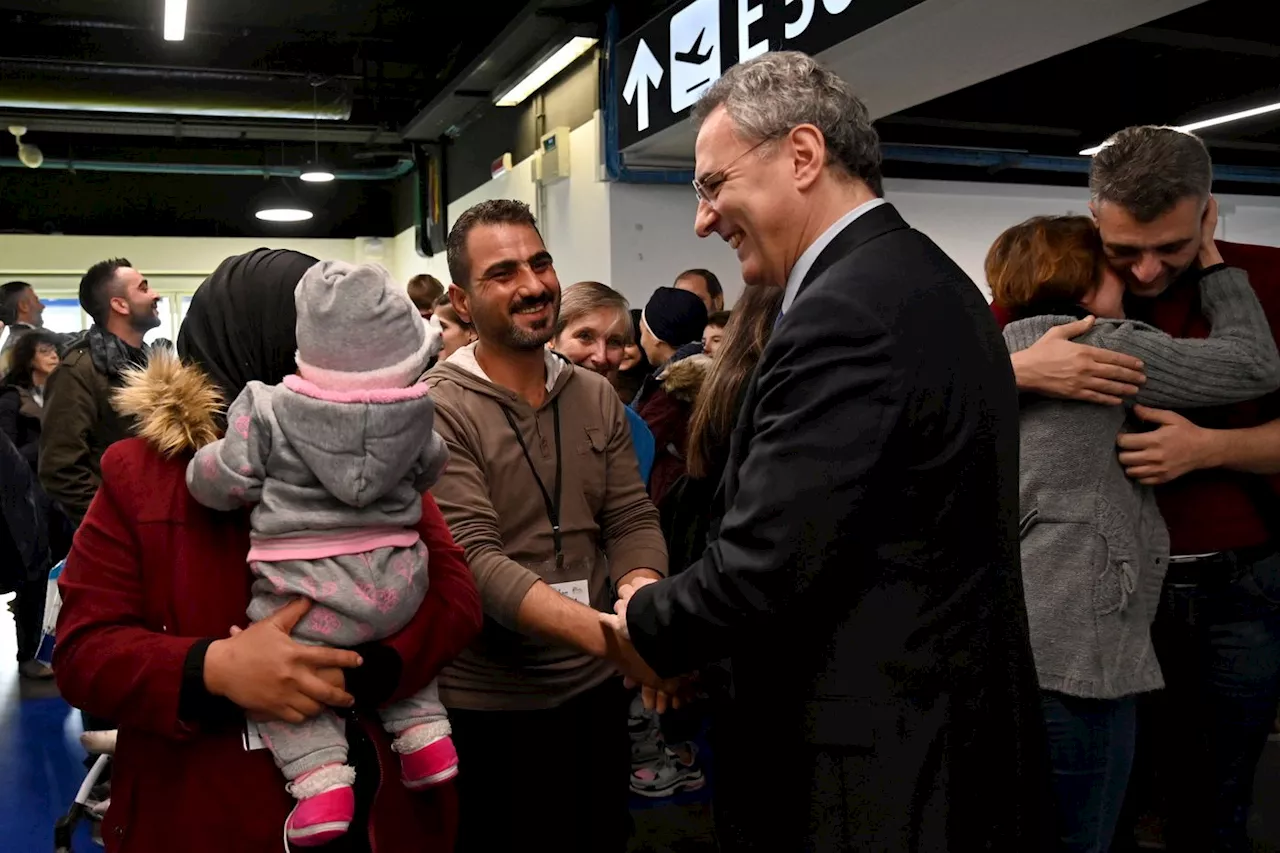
334 461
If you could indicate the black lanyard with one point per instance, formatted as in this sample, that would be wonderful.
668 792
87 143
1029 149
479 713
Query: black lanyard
553 506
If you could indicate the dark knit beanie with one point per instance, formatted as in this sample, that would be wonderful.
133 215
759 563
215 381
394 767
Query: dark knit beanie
675 317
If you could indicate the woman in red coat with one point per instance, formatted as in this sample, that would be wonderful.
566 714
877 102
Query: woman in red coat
156 582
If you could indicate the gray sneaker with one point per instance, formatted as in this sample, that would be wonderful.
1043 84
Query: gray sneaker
667 776
638 719
646 749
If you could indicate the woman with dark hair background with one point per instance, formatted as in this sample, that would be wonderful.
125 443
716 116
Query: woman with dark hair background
690 516
33 358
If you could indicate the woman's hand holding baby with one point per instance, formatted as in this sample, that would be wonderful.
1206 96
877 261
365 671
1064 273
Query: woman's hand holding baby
268 674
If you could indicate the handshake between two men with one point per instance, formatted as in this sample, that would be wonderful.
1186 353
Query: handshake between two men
659 693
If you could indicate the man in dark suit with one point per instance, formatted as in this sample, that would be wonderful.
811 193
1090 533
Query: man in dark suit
865 579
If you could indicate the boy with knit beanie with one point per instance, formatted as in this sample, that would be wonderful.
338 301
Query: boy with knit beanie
334 462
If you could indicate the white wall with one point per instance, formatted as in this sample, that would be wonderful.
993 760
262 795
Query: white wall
405 260
965 218
574 222
653 242
577 215
56 262
638 237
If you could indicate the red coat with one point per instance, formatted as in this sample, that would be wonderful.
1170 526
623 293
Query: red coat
666 404
152 571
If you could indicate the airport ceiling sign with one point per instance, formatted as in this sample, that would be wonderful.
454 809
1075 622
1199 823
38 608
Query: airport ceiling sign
667 64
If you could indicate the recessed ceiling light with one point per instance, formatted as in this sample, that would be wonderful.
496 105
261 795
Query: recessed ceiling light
317 175
284 214
175 20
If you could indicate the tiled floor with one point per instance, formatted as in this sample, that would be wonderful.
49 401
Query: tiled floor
40 756
40 770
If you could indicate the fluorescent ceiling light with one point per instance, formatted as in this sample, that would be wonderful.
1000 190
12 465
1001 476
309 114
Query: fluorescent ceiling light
175 20
315 175
550 67
1201 125
1210 122
284 214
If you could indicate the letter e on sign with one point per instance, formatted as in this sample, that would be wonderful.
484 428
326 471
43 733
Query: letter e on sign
750 11
695 52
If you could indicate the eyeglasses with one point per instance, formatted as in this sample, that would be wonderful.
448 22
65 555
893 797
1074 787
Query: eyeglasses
709 187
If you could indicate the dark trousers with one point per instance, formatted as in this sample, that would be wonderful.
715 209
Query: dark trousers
545 780
735 791
1091 748
1217 636
28 615
828 798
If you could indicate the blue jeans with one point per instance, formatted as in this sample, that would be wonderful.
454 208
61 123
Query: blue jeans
1091 747
1217 635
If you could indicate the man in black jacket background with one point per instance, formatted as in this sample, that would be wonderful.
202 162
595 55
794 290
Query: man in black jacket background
26 552
865 578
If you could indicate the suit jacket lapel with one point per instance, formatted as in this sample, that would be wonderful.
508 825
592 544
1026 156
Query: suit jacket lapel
865 228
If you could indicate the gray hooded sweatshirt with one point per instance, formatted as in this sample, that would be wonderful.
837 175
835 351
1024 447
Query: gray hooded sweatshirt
328 473
1094 545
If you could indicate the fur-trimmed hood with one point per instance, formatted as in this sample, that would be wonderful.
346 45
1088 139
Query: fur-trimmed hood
683 379
176 405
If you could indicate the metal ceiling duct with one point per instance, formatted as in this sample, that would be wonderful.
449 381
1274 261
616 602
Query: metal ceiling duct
178 127
373 173
95 87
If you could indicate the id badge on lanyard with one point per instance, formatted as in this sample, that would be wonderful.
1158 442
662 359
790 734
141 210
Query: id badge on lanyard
570 578
570 581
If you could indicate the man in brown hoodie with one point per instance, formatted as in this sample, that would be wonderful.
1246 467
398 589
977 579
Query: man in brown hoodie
544 494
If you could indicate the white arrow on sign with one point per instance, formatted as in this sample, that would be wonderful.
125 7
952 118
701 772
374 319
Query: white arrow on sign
646 70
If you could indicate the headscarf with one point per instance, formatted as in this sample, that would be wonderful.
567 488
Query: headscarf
240 325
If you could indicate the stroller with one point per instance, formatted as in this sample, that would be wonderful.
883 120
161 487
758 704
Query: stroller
100 743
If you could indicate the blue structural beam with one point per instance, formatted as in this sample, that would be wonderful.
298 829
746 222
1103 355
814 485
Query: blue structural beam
615 168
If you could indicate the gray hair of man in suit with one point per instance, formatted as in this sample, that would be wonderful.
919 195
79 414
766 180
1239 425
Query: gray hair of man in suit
782 141
773 93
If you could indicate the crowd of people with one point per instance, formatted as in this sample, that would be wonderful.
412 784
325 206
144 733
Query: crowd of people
924 573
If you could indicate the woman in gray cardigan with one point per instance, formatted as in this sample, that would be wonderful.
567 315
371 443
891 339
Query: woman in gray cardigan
1094 546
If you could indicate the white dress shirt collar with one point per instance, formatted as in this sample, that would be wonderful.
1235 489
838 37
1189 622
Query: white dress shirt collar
810 255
